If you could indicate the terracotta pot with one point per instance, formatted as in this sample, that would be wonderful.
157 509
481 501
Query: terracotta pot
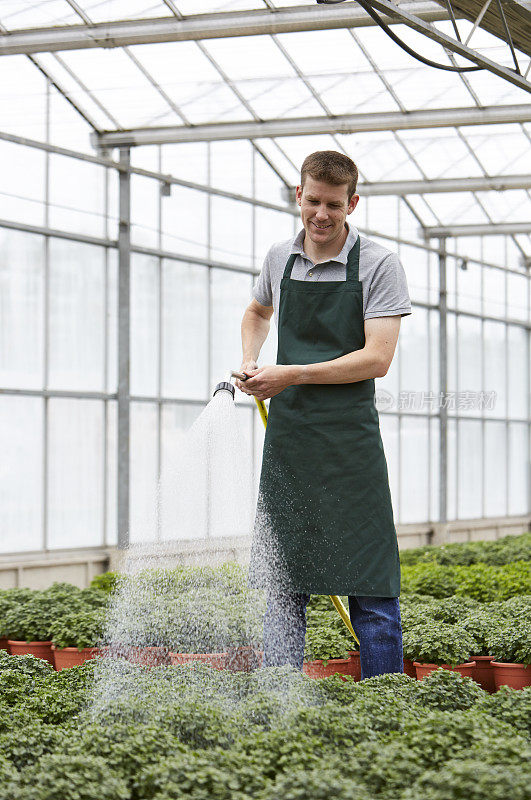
517 676
66 657
334 666
38 649
466 670
409 668
214 660
4 645
355 666
484 673
145 656
243 659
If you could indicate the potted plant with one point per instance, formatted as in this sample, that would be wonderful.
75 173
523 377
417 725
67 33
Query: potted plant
328 647
10 598
510 644
28 626
75 637
479 625
437 644
200 628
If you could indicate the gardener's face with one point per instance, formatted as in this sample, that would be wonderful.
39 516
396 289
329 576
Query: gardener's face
324 209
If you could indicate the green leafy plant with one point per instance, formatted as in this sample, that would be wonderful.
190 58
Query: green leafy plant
501 551
448 691
211 775
431 578
31 621
70 778
78 629
106 582
510 705
473 780
11 600
327 637
511 642
438 643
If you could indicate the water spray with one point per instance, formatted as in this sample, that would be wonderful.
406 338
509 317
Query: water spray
228 386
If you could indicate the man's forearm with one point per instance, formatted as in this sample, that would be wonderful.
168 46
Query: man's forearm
356 366
254 333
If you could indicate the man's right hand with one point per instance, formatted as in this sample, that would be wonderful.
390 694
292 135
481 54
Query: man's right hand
246 366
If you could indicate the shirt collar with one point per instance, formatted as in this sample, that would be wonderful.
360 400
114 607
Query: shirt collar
298 242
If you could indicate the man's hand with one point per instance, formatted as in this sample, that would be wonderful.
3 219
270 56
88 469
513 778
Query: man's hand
247 367
266 382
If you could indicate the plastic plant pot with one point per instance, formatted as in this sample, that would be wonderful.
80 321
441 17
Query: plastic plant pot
466 670
517 676
66 657
243 659
144 656
355 665
409 668
334 666
39 649
214 660
484 673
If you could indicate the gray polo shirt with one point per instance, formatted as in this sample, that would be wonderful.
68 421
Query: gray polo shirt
382 275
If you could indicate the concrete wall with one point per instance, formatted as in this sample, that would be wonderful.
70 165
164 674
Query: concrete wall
39 570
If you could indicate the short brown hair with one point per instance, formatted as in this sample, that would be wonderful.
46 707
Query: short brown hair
331 167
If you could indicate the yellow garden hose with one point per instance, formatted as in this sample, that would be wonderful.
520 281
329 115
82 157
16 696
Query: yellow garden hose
342 611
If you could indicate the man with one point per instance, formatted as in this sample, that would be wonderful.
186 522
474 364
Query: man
325 521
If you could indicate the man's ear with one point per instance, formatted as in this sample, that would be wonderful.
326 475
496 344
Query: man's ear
353 203
298 194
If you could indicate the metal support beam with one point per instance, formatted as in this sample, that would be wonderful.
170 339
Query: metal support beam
307 126
443 386
124 301
454 45
499 183
202 26
488 229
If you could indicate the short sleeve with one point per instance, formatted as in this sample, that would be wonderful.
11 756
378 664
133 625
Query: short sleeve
388 293
262 290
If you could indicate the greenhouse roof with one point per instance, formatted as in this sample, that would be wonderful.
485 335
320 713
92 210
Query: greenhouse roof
293 78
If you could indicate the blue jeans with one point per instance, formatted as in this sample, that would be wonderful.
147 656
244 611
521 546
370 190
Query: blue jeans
376 621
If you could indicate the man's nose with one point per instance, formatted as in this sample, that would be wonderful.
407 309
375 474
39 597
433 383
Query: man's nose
321 213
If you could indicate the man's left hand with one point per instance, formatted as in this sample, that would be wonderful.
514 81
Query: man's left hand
266 382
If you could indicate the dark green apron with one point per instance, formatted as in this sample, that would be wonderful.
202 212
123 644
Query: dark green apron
324 521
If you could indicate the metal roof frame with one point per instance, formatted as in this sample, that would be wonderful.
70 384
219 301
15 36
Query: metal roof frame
182 28
346 123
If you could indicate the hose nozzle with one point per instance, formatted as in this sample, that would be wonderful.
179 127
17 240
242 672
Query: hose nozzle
225 386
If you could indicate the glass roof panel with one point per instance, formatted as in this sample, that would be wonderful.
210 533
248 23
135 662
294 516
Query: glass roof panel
502 149
297 148
276 156
379 156
106 10
361 93
22 98
20 14
75 92
441 153
457 208
507 205
325 52
272 99
214 102
190 81
210 6
250 57
114 80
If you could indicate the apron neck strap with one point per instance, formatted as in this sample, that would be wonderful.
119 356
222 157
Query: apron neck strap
353 263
